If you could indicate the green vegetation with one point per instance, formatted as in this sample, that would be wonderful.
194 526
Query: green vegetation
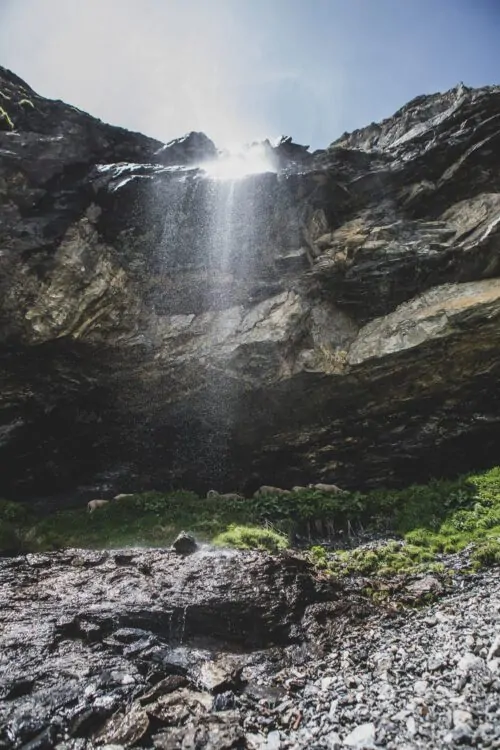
5 121
252 537
386 559
429 521
432 520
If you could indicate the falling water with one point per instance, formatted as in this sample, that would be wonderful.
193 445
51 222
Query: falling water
233 191
216 260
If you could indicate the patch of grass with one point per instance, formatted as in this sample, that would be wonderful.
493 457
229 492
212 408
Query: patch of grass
440 517
487 554
318 556
252 537
432 520
387 559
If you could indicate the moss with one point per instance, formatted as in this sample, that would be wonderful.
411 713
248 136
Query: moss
5 121
318 557
251 537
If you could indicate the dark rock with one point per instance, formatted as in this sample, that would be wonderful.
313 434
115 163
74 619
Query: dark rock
224 701
198 620
192 149
163 687
125 729
347 334
185 544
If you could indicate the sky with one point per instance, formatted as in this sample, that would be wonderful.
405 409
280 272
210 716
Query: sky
243 70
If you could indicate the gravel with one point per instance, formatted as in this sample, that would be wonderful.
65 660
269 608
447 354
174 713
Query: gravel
429 678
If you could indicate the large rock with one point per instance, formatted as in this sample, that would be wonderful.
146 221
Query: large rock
336 320
185 544
93 647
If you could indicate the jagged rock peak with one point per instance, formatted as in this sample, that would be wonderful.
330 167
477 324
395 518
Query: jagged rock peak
420 116
192 148
23 111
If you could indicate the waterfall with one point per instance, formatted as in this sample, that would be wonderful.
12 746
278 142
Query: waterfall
233 191
223 228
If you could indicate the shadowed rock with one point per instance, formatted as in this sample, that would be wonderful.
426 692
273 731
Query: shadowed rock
350 336
185 544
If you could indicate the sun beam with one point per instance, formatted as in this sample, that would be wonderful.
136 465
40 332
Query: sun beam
238 163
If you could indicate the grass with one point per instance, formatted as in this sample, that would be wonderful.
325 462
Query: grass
430 520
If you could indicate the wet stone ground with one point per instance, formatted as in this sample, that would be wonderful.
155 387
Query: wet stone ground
143 648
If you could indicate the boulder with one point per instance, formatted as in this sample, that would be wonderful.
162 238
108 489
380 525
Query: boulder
185 544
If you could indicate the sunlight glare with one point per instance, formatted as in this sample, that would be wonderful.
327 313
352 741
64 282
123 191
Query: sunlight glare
238 163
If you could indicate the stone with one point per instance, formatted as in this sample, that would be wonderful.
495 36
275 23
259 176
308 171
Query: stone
220 674
494 648
273 741
332 741
193 148
470 662
126 729
424 586
461 717
420 687
362 737
185 544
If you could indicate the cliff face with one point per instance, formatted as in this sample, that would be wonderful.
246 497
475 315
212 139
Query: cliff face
335 320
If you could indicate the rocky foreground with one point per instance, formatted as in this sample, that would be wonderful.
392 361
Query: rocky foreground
149 649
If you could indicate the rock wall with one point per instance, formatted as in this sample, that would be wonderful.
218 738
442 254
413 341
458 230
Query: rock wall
336 320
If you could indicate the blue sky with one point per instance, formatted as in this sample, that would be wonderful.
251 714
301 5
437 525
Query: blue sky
246 69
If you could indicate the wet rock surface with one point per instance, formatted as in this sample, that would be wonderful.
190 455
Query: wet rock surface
142 648
336 320
121 645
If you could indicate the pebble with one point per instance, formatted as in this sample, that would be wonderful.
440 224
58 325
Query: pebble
273 741
495 648
409 684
